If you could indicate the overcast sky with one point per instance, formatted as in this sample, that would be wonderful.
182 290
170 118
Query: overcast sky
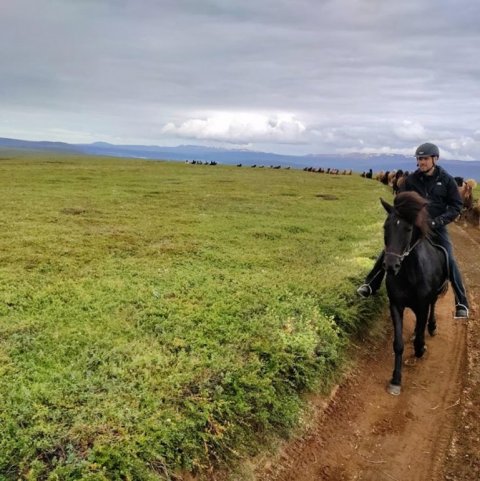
286 76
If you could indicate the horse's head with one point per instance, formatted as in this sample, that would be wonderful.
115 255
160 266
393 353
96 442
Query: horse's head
405 225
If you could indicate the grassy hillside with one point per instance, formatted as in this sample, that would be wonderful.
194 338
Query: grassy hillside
158 317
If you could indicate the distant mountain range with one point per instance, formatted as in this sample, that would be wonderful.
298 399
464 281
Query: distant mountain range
356 161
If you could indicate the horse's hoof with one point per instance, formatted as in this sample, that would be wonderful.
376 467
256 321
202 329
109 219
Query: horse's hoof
394 390
432 332
421 353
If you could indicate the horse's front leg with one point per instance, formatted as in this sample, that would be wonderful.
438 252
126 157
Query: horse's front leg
421 314
396 313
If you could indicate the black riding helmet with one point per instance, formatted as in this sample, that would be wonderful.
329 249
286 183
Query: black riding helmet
427 150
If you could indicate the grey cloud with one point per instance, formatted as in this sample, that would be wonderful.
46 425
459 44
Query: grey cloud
366 73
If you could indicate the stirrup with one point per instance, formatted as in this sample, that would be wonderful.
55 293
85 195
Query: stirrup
461 312
364 290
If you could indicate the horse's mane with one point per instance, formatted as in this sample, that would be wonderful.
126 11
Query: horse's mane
412 207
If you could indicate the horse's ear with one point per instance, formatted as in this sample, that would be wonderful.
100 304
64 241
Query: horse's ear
386 206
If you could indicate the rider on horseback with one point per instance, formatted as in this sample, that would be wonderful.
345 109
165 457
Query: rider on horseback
437 186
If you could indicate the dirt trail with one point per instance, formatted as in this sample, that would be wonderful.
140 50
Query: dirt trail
366 434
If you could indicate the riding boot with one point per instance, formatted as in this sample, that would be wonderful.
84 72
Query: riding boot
461 301
457 284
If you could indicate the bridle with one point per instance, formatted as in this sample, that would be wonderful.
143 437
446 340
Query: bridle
406 252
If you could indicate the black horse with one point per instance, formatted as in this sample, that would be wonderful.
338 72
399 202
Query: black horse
417 273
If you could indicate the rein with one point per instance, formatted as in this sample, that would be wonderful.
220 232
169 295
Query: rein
406 252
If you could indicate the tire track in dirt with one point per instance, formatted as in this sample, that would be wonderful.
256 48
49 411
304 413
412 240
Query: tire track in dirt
366 434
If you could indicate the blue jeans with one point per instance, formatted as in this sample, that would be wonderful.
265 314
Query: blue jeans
440 236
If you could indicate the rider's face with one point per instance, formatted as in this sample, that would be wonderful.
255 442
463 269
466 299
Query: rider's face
425 163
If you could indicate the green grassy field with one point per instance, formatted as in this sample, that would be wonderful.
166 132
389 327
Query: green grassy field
159 317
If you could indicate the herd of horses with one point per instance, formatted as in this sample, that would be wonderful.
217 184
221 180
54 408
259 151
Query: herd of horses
392 178
201 162
320 170
329 170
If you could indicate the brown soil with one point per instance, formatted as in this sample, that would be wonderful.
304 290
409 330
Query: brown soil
430 432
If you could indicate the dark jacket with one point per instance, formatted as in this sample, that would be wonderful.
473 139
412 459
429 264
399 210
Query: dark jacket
440 189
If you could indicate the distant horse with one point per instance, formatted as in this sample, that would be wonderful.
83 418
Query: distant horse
475 213
465 190
398 175
391 176
400 182
417 273
384 179
459 181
